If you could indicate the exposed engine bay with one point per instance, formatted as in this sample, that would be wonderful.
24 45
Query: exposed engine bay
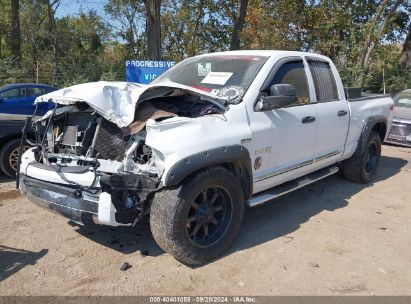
78 139
78 136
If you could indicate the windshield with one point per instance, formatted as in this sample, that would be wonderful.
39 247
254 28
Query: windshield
403 99
225 76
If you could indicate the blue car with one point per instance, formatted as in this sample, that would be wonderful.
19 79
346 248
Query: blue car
16 103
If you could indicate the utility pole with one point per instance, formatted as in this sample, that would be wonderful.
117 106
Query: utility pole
37 71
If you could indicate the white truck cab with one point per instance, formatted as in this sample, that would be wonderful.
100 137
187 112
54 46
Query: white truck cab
214 134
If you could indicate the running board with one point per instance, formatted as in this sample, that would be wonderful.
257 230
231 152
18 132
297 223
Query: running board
290 186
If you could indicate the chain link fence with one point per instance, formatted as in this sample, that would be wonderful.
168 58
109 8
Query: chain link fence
61 74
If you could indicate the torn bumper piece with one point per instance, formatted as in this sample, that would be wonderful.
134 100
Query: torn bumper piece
121 200
79 207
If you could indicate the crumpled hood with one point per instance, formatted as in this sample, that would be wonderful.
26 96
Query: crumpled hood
116 101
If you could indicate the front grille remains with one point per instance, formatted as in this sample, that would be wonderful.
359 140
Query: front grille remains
70 136
110 142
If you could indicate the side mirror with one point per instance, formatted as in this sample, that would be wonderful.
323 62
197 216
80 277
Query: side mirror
281 95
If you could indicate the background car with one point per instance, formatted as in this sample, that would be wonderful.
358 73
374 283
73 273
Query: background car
17 103
400 133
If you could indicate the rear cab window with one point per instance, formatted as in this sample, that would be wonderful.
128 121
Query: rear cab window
324 80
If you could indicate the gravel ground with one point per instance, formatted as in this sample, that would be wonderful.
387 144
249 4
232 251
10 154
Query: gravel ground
7 188
332 237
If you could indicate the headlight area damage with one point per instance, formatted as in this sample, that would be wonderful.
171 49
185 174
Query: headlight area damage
92 163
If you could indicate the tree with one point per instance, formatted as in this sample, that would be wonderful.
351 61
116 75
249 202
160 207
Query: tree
54 40
153 29
15 30
4 27
376 31
191 27
196 26
238 24
405 58
277 24
362 37
128 16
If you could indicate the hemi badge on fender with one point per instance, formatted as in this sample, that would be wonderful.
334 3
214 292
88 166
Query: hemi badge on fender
263 150
245 140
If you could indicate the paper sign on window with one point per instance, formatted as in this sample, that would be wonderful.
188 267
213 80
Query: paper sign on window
217 78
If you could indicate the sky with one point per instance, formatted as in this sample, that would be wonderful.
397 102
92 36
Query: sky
74 7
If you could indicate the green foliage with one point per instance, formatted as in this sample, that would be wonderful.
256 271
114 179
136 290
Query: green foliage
4 28
84 47
128 25
338 29
194 27
10 74
386 67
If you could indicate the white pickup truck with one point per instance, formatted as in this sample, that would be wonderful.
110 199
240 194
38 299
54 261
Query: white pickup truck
214 134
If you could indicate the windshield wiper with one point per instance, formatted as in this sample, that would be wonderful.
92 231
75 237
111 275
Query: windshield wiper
219 102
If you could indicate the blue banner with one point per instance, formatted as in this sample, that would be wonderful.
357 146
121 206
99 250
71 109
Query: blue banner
142 71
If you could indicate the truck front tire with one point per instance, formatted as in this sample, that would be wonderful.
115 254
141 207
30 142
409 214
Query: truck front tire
197 221
361 167
9 154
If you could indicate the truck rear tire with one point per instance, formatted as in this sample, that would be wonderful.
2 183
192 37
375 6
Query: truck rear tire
197 221
9 154
361 167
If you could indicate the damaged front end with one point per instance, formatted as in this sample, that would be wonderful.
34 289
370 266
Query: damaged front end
92 163
85 165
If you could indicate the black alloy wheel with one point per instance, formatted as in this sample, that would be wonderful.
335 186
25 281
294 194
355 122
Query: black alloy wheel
208 216
371 158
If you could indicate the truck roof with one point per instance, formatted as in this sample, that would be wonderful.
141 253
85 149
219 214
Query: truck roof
268 53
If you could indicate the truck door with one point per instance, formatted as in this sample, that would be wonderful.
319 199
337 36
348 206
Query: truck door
332 113
283 139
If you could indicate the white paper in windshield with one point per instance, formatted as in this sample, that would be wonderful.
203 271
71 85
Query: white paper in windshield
217 78
204 69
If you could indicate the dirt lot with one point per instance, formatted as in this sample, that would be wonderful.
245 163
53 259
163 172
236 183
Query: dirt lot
333 237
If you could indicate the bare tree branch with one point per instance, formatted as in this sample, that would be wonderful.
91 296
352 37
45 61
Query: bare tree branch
153 29
238 24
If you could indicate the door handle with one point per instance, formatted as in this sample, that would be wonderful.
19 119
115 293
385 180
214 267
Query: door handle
342 113
308 119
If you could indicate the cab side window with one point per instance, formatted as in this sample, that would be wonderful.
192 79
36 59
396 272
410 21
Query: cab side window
293 73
